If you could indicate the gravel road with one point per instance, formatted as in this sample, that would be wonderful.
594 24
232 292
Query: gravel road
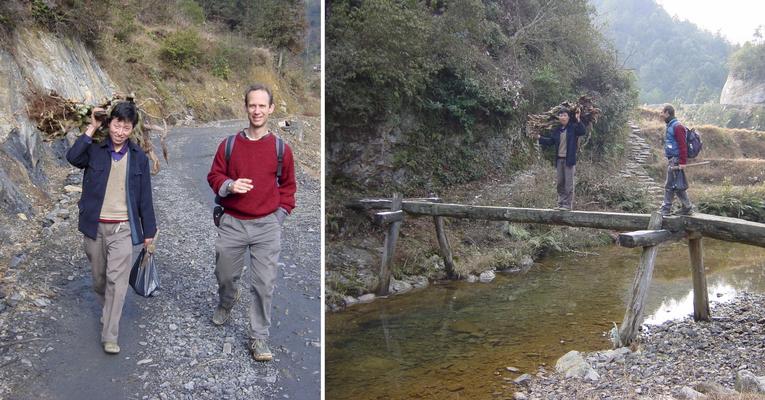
49 330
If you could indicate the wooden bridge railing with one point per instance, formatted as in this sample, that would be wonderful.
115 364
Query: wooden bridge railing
659 230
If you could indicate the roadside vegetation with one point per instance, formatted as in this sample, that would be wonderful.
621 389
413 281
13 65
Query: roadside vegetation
191 57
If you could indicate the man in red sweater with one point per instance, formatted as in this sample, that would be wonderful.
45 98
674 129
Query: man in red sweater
255 204
676 151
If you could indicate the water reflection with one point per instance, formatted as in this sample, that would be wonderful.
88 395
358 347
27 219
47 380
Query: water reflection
455 340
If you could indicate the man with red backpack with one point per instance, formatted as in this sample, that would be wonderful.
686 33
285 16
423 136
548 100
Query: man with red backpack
676 151
253 176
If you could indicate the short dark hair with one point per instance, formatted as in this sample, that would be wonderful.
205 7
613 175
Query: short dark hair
562 110
125 111
669 110
259 86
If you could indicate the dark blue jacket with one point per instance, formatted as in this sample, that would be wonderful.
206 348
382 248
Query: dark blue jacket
97 162
573 131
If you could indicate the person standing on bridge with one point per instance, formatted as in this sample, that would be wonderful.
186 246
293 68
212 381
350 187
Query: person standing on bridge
565 141
676 151
116 210
257 192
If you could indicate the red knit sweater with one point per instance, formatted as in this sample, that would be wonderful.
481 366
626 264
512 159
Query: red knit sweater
254 160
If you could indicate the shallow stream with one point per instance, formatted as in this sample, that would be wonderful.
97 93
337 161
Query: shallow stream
455 340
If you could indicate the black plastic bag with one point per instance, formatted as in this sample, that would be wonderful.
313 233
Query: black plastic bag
144 278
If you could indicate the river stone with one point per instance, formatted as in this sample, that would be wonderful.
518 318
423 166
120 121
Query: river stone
520 396
17 260
350 300
713 388
487 276
397 286
471 278
572 365
746 381
41 302
366 298
419 281
522 380
686 393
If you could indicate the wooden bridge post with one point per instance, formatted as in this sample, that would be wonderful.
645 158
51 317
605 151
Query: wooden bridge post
443 241
389 249
443 244
634 314
700 294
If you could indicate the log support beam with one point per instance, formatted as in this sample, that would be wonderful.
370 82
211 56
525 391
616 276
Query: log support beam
700 292
648 238
389 248
634 315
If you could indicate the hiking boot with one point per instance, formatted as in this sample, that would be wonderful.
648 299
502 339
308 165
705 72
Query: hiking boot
686 211
664 212
111 348
222 314
260 351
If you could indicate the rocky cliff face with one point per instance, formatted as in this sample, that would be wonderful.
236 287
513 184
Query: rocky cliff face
38 62
740 92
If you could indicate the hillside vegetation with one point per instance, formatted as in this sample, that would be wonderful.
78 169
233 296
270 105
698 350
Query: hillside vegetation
189 57
748 62
674 60
442 98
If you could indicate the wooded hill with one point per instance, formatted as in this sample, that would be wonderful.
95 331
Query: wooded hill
191 57
674 60
424 94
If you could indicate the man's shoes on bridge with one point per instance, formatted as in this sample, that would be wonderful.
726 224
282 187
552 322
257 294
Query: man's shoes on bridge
111 348
686 211
260 350
560 208
222 314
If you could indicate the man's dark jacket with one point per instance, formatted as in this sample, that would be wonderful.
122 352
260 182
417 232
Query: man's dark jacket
96 159
573 131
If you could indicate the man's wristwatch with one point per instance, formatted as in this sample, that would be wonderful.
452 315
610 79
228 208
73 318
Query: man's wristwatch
230 187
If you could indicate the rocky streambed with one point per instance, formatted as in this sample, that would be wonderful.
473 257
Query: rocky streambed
681 359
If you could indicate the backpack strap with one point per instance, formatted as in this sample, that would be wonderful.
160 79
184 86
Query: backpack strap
230 146
279 159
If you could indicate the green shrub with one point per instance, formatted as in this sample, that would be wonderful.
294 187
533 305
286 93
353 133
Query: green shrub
738 202
125 26
182 49
193 11
43 14
748 62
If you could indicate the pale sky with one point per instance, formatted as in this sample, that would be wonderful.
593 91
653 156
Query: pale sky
736 20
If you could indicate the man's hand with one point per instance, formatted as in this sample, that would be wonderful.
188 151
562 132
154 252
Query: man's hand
578 113
241 185
94 122
148 244
680 166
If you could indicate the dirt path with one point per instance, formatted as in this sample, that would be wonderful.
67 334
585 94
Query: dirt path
170 350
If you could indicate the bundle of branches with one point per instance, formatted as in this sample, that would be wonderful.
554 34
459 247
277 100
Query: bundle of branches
55 116
541 124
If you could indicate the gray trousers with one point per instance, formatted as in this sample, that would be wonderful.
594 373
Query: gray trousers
676 184
110 255
565 183
262 236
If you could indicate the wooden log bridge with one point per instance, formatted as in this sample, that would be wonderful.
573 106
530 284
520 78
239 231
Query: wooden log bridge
642 230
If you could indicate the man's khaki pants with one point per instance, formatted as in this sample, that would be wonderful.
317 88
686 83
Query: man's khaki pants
110 255
262 236
565 183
